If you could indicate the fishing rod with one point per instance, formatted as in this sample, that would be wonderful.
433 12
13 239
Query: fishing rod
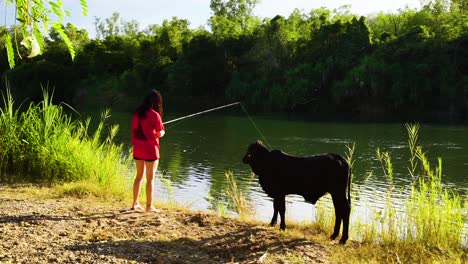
221 107
199 113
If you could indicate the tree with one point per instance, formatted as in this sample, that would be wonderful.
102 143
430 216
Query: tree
460 6
34 23
173 35
131 28
231 18
109 27
115 26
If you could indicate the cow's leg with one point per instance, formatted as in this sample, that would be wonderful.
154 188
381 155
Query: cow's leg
282 211
338 215
342 210
275 212
346 213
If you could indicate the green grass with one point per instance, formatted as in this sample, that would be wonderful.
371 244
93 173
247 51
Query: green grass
430 225
43 144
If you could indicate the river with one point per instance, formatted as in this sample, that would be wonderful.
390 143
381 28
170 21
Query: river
197 152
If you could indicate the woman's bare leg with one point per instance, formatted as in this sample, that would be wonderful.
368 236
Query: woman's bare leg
151 168
140 169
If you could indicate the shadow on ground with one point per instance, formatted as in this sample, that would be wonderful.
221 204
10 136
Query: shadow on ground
246 245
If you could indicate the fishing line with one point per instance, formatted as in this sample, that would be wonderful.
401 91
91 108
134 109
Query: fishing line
199 113
195 114
255 126
217 108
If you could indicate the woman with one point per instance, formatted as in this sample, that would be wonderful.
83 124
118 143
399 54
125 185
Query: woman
147 128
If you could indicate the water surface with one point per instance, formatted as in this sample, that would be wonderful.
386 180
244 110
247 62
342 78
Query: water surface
196 153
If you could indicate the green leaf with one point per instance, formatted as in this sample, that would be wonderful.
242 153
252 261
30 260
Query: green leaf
10 53
57 9
31 43
53 4
84 7
39 37
59 28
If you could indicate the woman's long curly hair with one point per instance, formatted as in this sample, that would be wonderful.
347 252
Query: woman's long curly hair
151 101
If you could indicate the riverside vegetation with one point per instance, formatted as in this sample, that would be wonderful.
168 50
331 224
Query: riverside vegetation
45 145
407 64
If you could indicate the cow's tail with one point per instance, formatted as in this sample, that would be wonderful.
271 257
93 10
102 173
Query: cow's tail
347 169
349 185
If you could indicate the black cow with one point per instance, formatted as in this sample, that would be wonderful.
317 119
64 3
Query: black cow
312 177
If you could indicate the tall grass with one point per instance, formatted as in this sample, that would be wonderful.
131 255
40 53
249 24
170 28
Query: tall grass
43 144
432 215
434 212
237 200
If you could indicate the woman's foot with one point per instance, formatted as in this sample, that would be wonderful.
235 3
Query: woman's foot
136 207
151 209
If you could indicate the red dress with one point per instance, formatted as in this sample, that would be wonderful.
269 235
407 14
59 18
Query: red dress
146 148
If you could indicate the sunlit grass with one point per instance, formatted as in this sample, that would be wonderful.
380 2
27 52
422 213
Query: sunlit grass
432 215
428 228
236 197
43 144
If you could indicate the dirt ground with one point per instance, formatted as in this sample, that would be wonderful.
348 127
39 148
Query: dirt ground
70 230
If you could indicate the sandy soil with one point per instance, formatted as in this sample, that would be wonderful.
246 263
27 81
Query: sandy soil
70 230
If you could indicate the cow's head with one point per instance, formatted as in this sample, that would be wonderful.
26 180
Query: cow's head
254 151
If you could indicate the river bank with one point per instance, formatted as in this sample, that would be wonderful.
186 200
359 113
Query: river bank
36 227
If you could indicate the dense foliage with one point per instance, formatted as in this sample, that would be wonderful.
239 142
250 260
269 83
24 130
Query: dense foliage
407 65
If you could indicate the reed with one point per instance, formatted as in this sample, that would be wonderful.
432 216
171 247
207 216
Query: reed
43 144
434 212
432 215
425 227
236 197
